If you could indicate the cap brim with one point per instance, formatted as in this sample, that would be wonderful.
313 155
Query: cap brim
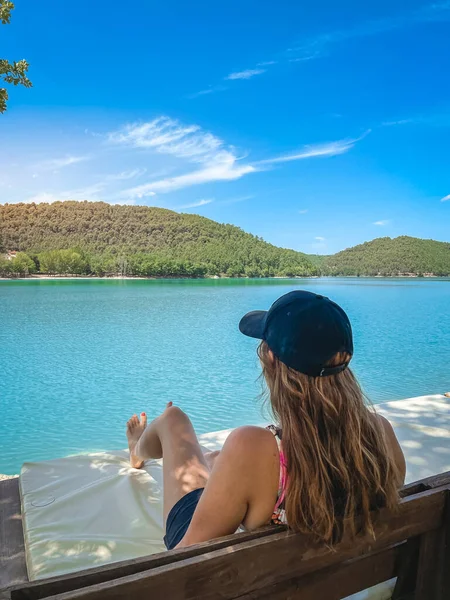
253 324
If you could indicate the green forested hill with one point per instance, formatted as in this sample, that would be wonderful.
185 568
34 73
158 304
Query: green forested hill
391 256
99 238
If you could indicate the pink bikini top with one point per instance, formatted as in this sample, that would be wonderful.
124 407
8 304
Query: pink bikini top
279 513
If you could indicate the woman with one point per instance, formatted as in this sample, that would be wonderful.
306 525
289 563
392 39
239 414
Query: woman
330 460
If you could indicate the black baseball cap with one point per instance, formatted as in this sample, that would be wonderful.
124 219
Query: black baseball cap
304 331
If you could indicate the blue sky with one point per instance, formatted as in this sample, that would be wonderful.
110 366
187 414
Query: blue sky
316 125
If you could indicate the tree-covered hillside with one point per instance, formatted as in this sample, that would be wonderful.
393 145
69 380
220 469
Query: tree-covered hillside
391 256
99 238
102 239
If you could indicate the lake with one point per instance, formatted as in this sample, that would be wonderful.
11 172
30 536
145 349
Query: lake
78 357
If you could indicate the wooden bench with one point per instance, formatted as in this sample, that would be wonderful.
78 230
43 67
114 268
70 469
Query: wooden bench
413 545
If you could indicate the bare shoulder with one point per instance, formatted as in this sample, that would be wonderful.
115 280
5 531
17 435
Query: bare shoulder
388 429
251 441
393 445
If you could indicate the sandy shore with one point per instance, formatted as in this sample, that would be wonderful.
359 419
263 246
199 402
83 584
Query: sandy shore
2 477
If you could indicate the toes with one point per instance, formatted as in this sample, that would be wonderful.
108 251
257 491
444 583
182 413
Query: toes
131 423
135 422
169 404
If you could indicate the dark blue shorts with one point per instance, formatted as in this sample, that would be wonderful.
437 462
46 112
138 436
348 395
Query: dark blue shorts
179 518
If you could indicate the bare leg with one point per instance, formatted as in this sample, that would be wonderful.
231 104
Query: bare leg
172 437
211 458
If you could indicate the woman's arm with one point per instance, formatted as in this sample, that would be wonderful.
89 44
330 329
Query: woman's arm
242 487
395 449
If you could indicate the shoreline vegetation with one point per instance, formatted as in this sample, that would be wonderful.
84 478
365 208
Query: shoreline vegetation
116 277
96 239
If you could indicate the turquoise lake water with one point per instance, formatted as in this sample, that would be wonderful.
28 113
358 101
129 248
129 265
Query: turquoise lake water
78 357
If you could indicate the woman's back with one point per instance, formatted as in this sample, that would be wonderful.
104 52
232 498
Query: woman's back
331 462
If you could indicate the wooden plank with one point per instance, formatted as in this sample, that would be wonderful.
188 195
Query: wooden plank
336 582
428 566
12 551
433 573
441 582
60 584
242 568
407 570
54 585
445 564
428 483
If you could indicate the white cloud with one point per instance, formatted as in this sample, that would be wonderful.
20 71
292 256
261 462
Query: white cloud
303 211
319 238
305 58
317 46
191 144
202 93
187 142
209 90
225 171
170 137
445 198
59 163
124 175
43 197
381 223
198 203
238 199
84 193
247 74
399 122
317 150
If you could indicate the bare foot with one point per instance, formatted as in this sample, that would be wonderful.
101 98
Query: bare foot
135 428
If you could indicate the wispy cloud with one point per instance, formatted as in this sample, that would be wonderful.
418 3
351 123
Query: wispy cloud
202 93
59 163
191 144
303 211
188 142
43 197
247 74
321 45
319 238
445 198
205 92
170 137
399 122
433 119
124 175
381 223
198 203
304 58
90 192
238 199
225 171
317 150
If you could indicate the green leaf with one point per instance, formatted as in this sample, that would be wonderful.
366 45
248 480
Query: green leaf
12 73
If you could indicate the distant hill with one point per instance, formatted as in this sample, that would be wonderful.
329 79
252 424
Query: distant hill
391 256
99 238
103 239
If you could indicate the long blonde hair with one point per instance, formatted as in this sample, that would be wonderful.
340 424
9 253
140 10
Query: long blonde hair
338 464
